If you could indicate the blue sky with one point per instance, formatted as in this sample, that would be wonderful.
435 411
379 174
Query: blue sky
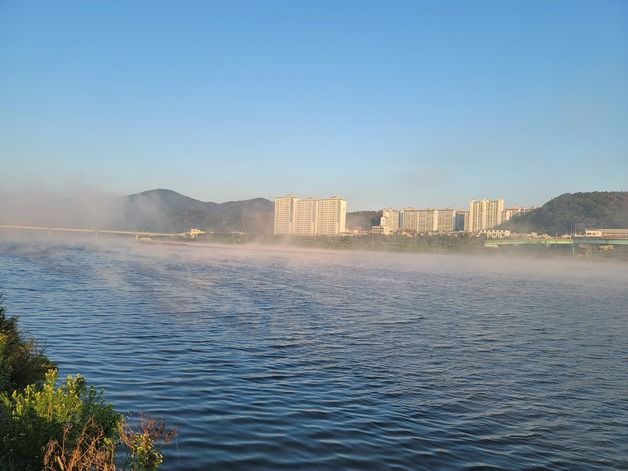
414 103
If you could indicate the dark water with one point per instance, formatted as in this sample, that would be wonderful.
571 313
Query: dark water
330 361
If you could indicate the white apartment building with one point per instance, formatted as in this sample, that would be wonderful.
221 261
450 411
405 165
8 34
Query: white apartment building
427 220
306 217
294 216
485 214
508 213
284 214
409 219
446 220
389 222
332 216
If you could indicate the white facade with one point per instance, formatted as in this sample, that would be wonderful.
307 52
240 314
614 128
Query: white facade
294 216
332 216
409 219
446 220
306 217
284 214
427 220
389 221
485 214
508 213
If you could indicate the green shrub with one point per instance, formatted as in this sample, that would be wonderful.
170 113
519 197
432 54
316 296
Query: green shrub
21 363
140 444
68 427
43 413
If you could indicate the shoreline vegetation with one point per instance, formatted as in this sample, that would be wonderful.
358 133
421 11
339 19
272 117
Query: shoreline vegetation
64 425
462 243
455 243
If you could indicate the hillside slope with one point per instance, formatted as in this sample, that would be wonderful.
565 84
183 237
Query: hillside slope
560 215
169 211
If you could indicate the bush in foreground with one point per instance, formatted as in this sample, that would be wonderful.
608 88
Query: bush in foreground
21 363
68 427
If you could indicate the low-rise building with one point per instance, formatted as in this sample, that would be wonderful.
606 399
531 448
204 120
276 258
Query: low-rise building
607 233
495 233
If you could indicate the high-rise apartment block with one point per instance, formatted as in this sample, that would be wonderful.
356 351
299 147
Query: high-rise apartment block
485 214
423 221
389 222
284 214
409 219
446 220
332 215
294 216
305 216
482 215
427 220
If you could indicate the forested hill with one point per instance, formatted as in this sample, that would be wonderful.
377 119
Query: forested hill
588 210
169 211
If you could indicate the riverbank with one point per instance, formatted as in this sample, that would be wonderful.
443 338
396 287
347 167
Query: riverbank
436 244
466 244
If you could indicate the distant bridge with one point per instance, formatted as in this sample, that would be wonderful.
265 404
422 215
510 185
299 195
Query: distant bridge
557 241
192 233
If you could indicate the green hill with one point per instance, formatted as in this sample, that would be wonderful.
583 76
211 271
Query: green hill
169 211
570 211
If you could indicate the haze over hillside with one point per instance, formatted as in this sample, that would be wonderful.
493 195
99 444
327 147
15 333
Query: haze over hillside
155 210
169 211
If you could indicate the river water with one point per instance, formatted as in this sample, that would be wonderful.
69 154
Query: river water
277 359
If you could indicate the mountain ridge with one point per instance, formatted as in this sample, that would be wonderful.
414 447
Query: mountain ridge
167 210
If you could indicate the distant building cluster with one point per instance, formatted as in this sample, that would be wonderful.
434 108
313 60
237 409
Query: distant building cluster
327 217
309 216
482 215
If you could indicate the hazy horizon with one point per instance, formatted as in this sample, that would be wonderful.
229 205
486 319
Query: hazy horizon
87 200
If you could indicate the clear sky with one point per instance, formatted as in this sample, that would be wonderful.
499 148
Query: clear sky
386 103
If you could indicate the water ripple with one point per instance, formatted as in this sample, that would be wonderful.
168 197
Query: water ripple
271 360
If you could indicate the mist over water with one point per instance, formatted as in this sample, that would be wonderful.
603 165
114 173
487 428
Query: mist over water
84 207
277 359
